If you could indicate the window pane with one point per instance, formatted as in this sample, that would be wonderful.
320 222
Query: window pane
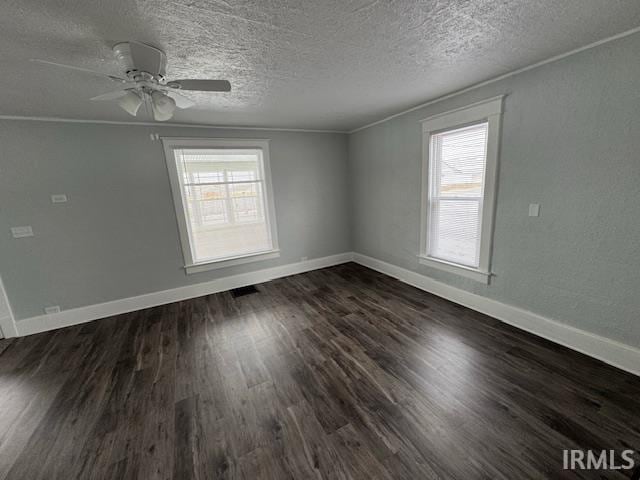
204 177
455 230
207 165
461 154
248 174
237 239
206 205
226 219
458 159
246 200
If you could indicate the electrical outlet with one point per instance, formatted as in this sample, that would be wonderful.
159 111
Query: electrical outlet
52 310
20 232
304 259
58 198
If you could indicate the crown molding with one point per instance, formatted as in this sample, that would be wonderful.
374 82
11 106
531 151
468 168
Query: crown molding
163 124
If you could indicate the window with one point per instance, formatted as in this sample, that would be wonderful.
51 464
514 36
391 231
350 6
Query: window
459 174
223 199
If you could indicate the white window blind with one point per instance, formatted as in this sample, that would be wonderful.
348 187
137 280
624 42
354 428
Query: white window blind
456 189
224 199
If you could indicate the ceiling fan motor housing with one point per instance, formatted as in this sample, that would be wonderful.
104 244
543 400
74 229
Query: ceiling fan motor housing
138 58
122 52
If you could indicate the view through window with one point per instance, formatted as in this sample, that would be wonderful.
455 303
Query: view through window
224 200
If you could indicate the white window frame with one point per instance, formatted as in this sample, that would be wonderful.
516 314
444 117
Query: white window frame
489 111
191 266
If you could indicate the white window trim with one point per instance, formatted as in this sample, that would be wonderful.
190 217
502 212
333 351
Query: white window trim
171 143
489 110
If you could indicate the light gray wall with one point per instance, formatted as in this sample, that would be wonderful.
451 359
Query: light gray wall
571 142
117 236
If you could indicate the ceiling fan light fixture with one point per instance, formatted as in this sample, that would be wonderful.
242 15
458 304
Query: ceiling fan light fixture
162 105
130 103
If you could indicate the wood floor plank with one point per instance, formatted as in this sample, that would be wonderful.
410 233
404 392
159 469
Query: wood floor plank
25 403
319 449
340 373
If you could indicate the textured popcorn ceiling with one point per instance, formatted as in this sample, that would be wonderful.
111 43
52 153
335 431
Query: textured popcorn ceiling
327 64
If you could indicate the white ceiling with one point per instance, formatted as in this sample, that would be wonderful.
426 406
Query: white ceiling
322 64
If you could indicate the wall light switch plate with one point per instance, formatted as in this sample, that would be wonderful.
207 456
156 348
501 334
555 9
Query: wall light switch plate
58 198
20 232
534 209
52 310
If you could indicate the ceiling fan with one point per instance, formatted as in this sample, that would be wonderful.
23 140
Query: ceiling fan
144 81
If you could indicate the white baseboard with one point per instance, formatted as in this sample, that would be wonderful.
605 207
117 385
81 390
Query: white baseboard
609 351
79 315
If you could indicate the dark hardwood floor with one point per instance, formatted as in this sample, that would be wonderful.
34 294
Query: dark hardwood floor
341 373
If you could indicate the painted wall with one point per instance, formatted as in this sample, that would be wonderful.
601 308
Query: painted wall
117 236
571 142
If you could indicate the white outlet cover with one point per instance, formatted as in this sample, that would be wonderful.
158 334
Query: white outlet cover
52 310
534 209
20 232
58 198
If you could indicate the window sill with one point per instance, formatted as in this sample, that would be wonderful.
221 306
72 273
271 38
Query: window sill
231 261
468 272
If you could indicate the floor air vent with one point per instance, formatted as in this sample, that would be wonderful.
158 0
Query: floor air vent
242 291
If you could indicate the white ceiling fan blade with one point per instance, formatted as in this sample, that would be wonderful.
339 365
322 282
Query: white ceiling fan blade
79 69
181 100
201 85
110 95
